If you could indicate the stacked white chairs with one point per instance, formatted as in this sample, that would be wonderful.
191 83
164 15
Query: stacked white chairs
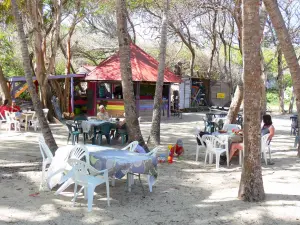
80 174
265 148
79 152
214 146
230 127
202 146
11 120
131 147
47 157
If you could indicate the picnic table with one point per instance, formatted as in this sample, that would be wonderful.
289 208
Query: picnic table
118 162
90 127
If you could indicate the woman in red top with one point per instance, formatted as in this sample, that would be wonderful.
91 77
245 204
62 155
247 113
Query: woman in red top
4 107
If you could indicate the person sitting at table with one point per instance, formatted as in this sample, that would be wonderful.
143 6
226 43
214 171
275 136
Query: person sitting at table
102 114
15 107
267 127
4 107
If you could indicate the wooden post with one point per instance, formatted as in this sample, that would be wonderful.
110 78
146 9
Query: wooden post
169 101
13 90
72 94
137 97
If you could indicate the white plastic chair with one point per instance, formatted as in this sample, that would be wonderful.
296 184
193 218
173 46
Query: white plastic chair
2 120
47 157
153 152
265 147
78 152
80 175
230 127
213 147
34 122
202 146
10 120
131 147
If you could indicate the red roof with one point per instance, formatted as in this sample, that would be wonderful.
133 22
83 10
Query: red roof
144 68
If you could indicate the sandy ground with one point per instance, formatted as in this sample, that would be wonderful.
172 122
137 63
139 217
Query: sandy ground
185 193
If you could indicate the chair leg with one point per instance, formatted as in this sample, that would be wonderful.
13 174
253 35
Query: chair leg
43 175
113 182
149 183
107 191
217 161
73 139
68 138
90 191
75 194
64 186
107 139
197 152
206 153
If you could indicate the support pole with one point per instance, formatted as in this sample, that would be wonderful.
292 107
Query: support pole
169 101
72 94
138 92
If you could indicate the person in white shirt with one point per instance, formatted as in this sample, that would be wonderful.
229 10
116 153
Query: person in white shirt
102 114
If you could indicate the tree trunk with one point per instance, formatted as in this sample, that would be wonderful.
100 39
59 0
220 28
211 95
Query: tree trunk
235 104
132 122
155 127
291 106
28 75
286 47
280 81
4 87
263 88
251 184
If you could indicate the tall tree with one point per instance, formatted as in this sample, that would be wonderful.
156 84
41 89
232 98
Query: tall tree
155 127
251 184
287 49
28 75
3 86
132 122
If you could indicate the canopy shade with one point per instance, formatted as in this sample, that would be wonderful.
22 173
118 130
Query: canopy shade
144 68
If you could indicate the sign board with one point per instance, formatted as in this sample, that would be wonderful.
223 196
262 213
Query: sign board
220 95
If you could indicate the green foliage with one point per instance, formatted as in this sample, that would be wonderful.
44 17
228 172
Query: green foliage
272 96
60 67
12 66
25 96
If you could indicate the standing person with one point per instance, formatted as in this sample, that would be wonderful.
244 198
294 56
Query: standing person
15 107
268 127
102 114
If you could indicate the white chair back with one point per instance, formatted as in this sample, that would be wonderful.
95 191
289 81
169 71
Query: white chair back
8 116
131 147
153 152
264 141
201 140
78 152
230 127
2 118
46 112
45 151
212 141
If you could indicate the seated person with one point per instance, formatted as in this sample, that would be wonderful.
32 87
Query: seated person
102 114
268 127
14 107
122 124
4 107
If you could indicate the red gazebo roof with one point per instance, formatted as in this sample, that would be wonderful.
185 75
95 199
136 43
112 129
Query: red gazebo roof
144 68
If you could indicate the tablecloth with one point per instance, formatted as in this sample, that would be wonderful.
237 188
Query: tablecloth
59 162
